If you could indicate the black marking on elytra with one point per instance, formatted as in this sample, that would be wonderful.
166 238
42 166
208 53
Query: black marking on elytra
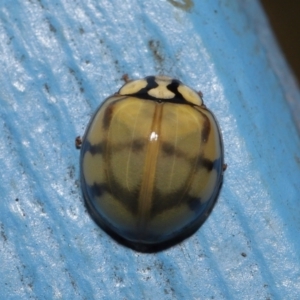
218 164
93 149
129 199
108 113
96 149
194 203
178 198
169 149
85 146
138 145
201 210
97 190
159 243
206 163
109 110
162 202
181 195
201 162
205 129
210 165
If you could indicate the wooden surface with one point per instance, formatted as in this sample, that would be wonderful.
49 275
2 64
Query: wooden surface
59 60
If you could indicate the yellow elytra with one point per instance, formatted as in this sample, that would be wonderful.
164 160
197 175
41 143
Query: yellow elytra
152 161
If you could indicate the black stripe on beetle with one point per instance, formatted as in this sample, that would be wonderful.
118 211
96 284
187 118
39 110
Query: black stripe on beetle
93 149
128 199
205 163
205 130
108 112
161 203
206 125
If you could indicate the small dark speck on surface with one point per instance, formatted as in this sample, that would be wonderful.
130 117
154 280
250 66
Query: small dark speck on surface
52 28
71 71
297 159
155 48
3 233
47 87
71 171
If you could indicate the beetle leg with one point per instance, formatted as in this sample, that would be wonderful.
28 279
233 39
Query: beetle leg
78 142
200 94
125 77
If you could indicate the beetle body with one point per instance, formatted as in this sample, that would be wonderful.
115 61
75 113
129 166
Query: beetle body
151 161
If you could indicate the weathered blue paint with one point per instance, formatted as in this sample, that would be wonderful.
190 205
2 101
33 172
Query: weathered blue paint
59 60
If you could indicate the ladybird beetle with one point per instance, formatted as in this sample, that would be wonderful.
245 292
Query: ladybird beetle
152 161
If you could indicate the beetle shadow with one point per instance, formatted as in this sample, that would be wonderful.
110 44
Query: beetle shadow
154 248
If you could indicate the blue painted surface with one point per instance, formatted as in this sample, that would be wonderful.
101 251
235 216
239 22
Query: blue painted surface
59 60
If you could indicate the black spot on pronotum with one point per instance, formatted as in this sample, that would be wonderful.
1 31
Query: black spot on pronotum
173 86
143 93
151 83
178 98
